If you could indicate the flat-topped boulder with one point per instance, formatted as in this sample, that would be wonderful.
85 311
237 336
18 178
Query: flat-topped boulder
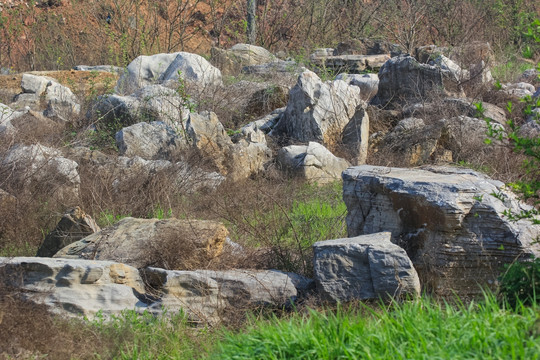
74 287
207 296
449 220
152 242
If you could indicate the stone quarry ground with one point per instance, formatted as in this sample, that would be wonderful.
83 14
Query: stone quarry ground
278 219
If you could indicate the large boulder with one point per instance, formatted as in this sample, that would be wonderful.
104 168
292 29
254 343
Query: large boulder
42 170
445 140
368 83
59 100
150 103
236 160
365 46
232 61
207 295
150 141
353 64
363 267
162 68
404 80
312 162
449 220
74 287
74 225
319 111
152 242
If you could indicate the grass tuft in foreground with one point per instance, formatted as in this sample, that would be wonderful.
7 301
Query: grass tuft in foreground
420 329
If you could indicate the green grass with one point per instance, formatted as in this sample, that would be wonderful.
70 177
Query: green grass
420 329
509 71
143 336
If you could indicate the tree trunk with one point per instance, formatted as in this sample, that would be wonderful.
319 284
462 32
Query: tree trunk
251 10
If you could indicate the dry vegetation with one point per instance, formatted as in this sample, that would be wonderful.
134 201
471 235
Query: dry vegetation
260 211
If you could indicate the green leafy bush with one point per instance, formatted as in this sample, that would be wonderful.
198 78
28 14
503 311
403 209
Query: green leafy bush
520 283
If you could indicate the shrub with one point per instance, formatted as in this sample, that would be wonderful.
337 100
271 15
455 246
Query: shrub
520 283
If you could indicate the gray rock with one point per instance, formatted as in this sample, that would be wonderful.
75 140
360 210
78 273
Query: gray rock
440 141
207 295
34 84
101 68
519 90
74 226
150 141
161 68
368 83
237 161
448 65
151 103
354 64
55 175
363 267
25 101
61 102
449 220
267 122
319 111
404 80
233 60
366 46
148 242
312 162
272 69
7 114
75 288
452 107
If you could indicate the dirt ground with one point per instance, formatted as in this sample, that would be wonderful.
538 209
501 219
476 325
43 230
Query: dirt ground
80 82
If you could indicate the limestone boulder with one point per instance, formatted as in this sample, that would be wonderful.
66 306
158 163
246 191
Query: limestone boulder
74 225
35 84
519 90
353 64
368 83
319 111
58 100
101 68
33 167
74 288
150 103
452 107
150 141
162 68
61 102
404 80
445 140
365 46
363 267
232 61
450 221
168 243
236 160
312 162
209 296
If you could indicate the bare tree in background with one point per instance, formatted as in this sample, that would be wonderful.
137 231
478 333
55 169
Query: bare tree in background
251 10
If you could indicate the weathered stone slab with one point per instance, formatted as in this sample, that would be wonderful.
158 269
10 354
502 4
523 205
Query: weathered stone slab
449 220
